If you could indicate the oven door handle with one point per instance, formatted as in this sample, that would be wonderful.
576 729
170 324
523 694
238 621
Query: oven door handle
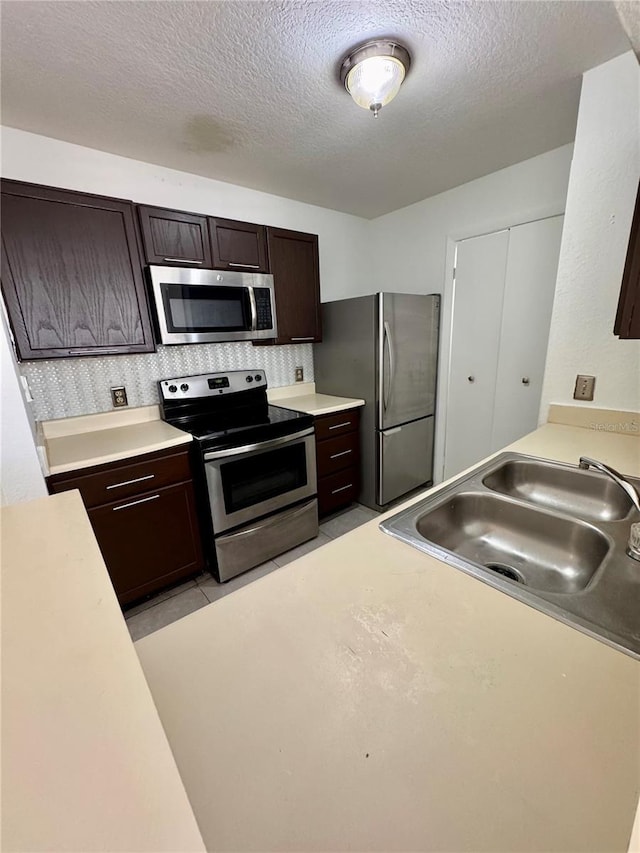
259 445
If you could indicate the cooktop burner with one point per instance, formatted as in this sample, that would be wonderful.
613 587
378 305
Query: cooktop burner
227 409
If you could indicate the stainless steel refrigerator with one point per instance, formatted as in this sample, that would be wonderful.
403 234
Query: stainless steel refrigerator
384 349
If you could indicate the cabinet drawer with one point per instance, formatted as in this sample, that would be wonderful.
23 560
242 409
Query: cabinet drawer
330 426
337 490
123 481
335 454
149 541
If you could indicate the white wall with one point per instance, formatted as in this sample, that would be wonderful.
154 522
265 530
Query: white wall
414 247
410 244
41 160
600 201
20 474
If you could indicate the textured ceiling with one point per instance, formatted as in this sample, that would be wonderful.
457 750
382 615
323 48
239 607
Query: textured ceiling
246 92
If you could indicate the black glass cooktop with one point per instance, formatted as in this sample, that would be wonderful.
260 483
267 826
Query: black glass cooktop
246 425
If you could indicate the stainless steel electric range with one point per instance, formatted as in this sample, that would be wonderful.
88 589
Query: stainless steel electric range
254 467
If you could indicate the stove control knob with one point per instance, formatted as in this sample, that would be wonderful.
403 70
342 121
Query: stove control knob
184 387
249 378
258 377
173 388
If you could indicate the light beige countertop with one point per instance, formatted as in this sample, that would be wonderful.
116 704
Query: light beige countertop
85 762
74 443
319 404
369 697
303 398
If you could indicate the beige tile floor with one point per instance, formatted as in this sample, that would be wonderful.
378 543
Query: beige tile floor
173 604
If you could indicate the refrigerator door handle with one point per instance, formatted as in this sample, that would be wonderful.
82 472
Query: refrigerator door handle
388 342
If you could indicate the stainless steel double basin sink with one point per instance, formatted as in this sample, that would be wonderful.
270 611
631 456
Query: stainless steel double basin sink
551 535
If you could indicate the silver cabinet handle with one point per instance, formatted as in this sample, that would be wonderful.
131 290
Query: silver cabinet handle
337 426
131 482
525 380
93 351
471 378
344 453
342 489
135 503
310 338
182 261
246 266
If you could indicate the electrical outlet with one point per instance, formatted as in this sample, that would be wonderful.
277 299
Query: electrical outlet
299 374
584 387
119 397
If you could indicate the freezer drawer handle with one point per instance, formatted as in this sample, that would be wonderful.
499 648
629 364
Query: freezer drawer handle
131 482
337 426
342 489
344 453
135 503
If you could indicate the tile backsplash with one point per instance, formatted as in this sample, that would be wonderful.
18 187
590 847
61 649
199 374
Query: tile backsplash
65 387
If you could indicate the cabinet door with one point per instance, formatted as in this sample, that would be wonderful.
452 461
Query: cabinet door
296 273
72 273
149 541
238 245
174 237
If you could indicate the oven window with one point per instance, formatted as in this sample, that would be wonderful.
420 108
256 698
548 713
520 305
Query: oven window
193 308
251 481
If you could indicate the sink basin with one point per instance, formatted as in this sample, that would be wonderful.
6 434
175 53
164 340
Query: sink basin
587 494
537 549
553 536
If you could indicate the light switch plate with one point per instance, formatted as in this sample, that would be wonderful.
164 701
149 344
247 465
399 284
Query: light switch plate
119 397
584 387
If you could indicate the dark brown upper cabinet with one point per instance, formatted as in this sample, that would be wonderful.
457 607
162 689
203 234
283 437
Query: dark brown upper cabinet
72 273
296 274
175 238
627 324
238 246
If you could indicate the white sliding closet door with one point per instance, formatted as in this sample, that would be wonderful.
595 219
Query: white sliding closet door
532 266
503 298
481 264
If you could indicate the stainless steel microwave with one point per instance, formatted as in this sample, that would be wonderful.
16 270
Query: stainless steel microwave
194 306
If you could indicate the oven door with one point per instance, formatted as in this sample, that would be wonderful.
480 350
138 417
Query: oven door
245 483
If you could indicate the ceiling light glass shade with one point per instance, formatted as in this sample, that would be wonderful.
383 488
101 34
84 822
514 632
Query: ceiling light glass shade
373 73
375 81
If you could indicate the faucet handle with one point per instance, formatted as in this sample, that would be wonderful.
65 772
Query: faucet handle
633 548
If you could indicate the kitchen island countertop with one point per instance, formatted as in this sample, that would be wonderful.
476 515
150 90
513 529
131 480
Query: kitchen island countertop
369 697
85 762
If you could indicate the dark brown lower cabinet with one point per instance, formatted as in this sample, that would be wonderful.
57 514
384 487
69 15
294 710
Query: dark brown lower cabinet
337 459
149 537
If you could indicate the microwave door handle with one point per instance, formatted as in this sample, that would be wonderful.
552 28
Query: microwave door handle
254 311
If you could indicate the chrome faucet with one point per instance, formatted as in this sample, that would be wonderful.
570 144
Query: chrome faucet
633 548
586 463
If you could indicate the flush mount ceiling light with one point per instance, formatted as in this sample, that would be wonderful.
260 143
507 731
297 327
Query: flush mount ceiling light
373 73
